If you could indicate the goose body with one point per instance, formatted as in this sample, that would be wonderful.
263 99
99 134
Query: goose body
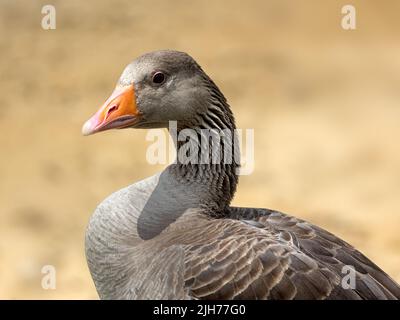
175 236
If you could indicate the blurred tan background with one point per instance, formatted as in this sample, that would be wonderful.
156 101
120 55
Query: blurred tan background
324 103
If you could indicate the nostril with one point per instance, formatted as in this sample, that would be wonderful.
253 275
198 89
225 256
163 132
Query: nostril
112 109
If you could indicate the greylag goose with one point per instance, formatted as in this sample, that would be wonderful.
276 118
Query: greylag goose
174 235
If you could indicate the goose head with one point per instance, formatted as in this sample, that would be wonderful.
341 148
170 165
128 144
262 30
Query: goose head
154 89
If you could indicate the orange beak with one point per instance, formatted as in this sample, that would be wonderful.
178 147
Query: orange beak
119 111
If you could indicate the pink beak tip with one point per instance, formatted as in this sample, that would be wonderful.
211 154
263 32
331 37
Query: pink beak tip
88 128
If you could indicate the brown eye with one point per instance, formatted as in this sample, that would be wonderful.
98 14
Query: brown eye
158 78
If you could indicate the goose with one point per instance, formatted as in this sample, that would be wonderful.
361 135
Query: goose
174 235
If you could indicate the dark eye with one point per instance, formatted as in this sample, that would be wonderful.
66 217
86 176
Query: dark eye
158 78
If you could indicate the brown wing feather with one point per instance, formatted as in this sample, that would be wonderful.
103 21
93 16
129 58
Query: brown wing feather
263 254
329 253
